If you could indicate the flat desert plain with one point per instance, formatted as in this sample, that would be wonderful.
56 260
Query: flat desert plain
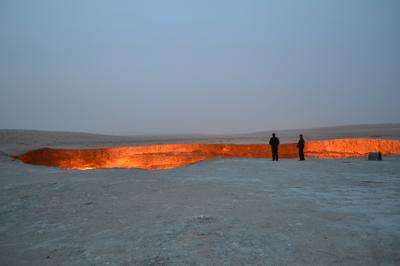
216 212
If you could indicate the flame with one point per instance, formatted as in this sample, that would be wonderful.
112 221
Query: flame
176 155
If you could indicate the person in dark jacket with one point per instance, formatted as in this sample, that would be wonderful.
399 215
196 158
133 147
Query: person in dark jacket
300 145
274 142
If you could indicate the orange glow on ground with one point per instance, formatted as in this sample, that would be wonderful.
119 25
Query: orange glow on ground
176 155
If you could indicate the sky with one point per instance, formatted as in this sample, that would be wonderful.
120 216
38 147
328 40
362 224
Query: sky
206 66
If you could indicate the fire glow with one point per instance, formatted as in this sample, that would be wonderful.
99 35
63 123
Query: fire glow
168 156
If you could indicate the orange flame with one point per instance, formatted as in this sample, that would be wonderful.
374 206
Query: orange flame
176 155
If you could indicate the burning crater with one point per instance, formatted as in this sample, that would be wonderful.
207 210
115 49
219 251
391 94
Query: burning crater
176 155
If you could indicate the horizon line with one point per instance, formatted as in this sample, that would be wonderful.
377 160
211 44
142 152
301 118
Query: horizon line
200 134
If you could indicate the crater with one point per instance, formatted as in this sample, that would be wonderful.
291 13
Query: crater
177 155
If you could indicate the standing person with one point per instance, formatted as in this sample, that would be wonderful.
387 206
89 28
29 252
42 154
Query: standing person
274 142
300 145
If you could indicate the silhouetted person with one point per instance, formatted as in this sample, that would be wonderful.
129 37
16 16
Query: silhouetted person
274 142
300 145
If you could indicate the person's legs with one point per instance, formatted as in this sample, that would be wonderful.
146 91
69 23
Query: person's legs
274 155
301 154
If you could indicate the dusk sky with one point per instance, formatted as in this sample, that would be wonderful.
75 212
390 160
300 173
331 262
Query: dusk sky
163 67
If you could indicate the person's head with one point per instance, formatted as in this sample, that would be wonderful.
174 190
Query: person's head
301 136
273 134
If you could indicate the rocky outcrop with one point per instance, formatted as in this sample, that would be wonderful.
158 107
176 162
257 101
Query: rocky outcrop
374 156
176 155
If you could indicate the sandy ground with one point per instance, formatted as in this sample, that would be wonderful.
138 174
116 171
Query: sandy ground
221 212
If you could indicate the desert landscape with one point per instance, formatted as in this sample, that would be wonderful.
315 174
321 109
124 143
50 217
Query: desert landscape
231 210
175 133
